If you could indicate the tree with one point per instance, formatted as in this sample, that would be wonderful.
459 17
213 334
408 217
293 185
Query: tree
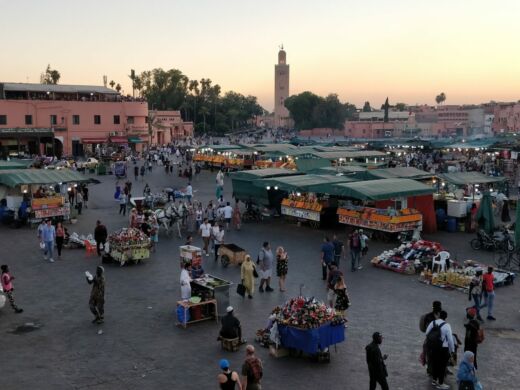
302 109
118 87
112 83
386 106
51 76
441 98
400 106
366 107
204 111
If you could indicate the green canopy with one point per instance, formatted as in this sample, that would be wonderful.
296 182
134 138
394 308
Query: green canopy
262 173
339 170
465 178
382 189
323 184
311 164
349 154
4 165
16 177
398 172
485 214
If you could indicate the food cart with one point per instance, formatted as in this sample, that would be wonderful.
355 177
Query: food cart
190 254
50 207
129 245
210 287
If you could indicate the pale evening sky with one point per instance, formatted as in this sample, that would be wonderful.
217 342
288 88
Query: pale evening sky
409 50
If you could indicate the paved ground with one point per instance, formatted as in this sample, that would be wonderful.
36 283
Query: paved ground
142 348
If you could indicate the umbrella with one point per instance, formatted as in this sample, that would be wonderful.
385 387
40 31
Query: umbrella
485 213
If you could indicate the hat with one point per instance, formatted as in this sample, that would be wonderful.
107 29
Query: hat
224 364
376 336
229 309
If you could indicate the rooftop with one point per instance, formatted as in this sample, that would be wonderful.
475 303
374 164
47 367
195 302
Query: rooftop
56 88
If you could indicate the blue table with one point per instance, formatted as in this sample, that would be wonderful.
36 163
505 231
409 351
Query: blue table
311 341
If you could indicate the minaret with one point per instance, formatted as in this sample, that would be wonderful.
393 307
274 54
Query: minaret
281 90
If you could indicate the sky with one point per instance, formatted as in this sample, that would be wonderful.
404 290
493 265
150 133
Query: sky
408 50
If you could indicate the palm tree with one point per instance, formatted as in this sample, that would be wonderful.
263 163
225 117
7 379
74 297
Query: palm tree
441 98
204 111
184 107
118 87
112 83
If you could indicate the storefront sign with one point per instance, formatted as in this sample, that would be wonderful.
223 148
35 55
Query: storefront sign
301 213
26 130
52 212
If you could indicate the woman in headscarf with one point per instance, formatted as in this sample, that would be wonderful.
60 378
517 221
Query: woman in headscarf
247 275
466 376
97 295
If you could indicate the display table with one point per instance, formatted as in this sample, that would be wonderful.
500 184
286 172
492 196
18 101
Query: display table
311 341
211 287
187 305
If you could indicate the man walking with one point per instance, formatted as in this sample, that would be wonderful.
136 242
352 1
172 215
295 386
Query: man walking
265 263
376 363
338 249
48 237
355 251
489 292
439 340
252 370
100 236
205 232
122 203
327 256
228 213
7 286
218 240
97 294
189 192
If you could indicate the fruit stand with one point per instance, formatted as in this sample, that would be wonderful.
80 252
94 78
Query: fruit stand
383 220
303 207
48 207
129 244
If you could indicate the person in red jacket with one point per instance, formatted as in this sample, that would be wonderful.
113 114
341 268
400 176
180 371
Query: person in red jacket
488 288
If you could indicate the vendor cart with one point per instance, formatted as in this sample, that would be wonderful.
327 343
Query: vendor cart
231 254
129 245
211 287
190 254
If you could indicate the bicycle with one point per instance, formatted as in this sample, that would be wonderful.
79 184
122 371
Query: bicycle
508 260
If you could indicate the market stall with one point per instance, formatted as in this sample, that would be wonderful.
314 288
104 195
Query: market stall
210 287
129 245
305 325
408 258
384 220
49 207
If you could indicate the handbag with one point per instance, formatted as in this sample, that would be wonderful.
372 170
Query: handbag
241 289
255 274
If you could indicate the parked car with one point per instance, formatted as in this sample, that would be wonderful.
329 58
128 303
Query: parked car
90 163
59 165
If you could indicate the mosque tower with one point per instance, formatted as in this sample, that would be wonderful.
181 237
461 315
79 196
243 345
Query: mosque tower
281 90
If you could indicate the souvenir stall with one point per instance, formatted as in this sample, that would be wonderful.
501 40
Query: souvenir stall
303 326
458 276
408 258
129 245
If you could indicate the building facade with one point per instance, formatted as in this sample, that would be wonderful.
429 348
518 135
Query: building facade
281 91
67 119
507 118
168 127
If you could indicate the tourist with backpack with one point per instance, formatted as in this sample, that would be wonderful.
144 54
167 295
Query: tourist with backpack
440 345
474 334
355 251
252 370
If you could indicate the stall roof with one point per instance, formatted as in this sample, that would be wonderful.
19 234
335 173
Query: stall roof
343 169
322 184
382 189
464 178
5 165
219 148
399 172
349 154
16 177
280 149
263 173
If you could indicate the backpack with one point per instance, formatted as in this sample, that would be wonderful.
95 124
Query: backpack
255 367
433 339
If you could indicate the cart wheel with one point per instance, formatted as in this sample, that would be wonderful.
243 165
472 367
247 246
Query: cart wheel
476 244
224 259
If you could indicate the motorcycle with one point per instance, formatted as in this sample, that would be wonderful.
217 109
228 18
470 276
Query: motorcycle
501 239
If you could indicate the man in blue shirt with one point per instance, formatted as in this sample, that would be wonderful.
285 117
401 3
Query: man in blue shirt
48 235
327 256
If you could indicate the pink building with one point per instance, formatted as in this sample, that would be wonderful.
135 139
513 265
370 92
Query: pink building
67 119
168 126
507 118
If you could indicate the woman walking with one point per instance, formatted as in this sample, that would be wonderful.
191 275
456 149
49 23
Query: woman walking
342 300
466 376
237 217
60 238
247 275
7 286
282 260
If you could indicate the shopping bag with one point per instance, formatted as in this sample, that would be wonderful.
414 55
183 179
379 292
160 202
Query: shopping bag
255 274
42 245
241 289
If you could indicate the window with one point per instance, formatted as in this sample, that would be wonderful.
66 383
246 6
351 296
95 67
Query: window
146 119
117 120
54 120
75 119
130 120
97 119
28 119
3 119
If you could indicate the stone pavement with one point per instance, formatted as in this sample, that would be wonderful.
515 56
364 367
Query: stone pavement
141 348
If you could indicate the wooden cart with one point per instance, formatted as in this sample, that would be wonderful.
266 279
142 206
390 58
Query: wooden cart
231 253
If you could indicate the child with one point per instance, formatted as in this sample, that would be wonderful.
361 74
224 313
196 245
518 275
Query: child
7 286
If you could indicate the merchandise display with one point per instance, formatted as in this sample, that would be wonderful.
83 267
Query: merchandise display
129 244
387 220
306 313
407 257
302 206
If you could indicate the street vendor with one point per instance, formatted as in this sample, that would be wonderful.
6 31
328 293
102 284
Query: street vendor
197 271
185 282
231 328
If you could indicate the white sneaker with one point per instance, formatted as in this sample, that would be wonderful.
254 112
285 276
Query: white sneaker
51 260
444 386
359 267
207 254
434 383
